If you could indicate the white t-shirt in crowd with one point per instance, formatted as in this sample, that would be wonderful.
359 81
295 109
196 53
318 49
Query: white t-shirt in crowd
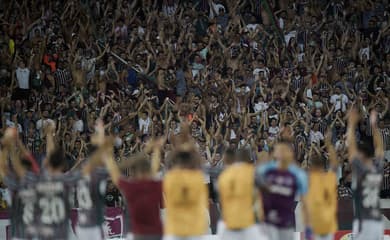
364 51
273 131
42 122
339 101
251 27
264 70
78 126
281 23
233 134
23 77
12 124
260 106
144 124
316 136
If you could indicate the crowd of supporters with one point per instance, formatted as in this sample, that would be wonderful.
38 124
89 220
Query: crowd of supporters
239 71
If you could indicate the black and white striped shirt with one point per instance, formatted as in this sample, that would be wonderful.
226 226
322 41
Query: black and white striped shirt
62 77
297 82
386 178
385 132
341 64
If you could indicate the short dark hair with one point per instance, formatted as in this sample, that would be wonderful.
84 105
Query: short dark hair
317 160
140 163
186 159
244 155
229 155
57 158
366 147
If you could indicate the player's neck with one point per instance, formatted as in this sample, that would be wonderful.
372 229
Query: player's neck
143 176
317 169
368 162
284 165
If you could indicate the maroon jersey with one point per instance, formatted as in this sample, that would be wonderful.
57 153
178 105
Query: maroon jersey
144 201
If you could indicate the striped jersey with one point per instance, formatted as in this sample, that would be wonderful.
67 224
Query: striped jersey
91 198
23 199
53 205
366 186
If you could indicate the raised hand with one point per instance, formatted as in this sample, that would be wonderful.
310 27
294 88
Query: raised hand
373 118
9 137
98 137
353 117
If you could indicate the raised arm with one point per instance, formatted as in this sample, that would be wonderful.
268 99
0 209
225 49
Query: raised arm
17 163
156 146
108 156
3 162
353 119
378 143
50 144
8 142
331 151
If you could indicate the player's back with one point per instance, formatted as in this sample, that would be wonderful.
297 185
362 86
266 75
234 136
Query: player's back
186 199
236 189
281 187
322 202
52 209
22 209
366 185
90 197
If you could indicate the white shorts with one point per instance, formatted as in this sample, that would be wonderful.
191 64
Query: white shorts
89 233
275 233
323 237
129 236
220 229
368 229
250 233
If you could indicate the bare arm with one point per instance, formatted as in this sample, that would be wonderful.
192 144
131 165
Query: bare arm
331 151
50 145
378 143
351 138
17 164
112 168
3 162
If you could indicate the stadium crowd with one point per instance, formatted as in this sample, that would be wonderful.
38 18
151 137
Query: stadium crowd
239 71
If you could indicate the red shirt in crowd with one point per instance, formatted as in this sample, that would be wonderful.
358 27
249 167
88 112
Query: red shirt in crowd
144 201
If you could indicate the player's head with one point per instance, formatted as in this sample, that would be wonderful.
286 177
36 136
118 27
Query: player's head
57 160
244 155
317 161
26 163
283 152
140 165
229 156
366 149
185 159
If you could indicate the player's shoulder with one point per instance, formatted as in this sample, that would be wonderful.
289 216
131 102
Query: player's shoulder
11 181
298 172
179 172
268 166
30 177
